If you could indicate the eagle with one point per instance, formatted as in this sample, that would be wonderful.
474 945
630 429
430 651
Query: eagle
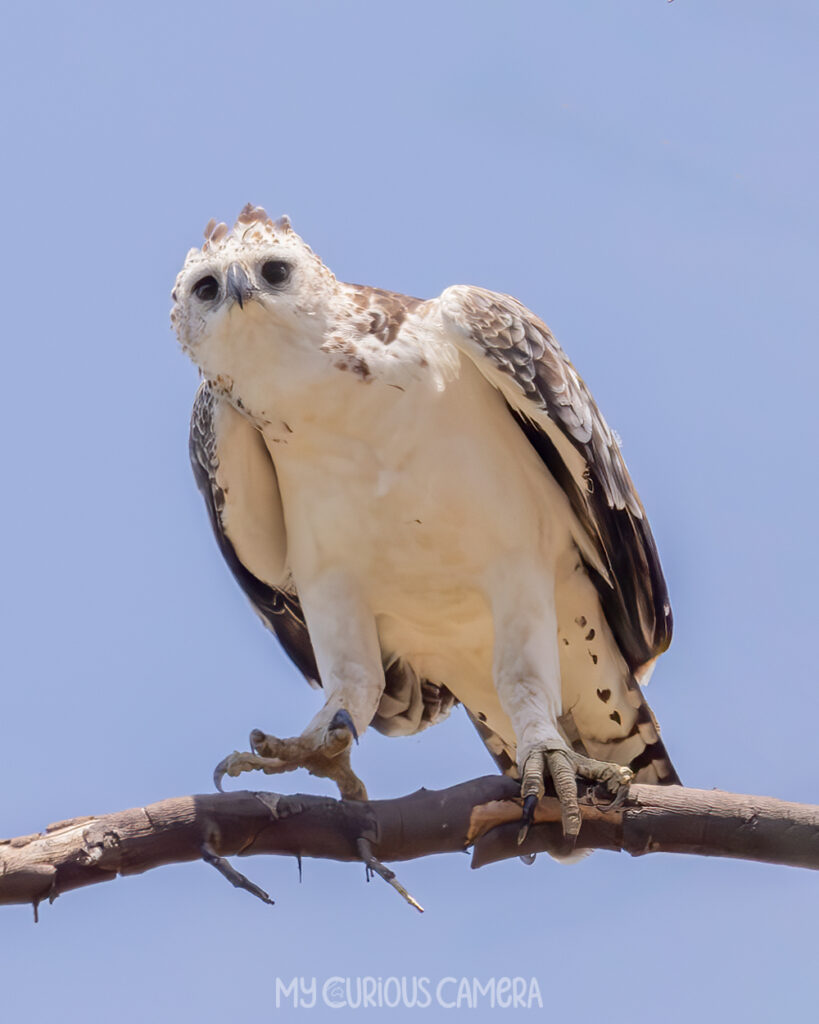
424 504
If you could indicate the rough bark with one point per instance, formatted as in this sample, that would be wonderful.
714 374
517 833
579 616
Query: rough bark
483 813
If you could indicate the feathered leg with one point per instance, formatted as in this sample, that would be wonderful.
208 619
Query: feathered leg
343 632
527 678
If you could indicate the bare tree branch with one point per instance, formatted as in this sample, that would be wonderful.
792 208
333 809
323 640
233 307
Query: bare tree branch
483 813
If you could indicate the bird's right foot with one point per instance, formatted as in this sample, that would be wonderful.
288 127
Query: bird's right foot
324 752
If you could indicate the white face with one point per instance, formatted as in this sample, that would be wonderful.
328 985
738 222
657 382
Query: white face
254 287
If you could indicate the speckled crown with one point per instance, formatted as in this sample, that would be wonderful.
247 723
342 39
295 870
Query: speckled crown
253 224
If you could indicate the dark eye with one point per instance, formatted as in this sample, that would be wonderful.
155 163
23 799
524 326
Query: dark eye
206 288
275 272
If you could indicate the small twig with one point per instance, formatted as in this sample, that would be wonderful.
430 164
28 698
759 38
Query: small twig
375 865
236 878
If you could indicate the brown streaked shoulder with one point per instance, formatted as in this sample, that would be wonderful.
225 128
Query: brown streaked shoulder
385 311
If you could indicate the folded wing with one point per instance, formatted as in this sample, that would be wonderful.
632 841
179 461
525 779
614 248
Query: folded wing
518 355
238 481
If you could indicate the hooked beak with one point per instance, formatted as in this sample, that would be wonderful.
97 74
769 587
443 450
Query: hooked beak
238 284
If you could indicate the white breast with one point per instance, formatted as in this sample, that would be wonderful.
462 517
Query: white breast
420 493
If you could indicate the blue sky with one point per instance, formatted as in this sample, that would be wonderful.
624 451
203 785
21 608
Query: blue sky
643 175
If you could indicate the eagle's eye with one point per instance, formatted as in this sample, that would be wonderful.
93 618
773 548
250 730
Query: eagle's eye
206 288
275 272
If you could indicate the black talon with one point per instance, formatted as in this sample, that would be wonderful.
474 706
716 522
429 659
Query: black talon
529 805
219 772
343 719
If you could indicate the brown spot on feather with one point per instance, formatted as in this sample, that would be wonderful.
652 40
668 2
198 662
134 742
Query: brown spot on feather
387 310
346 356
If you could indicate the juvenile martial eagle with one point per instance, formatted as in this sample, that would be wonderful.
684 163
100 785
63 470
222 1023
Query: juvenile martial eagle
424 504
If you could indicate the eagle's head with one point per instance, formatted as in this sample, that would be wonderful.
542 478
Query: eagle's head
253 290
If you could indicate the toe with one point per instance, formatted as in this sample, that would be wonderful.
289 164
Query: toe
562 769
612 776
234 764
531 784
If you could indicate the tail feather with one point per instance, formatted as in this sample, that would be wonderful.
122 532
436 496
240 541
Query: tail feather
639 748
501 752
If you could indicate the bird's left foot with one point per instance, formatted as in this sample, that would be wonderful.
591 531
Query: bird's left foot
565 765
324 752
